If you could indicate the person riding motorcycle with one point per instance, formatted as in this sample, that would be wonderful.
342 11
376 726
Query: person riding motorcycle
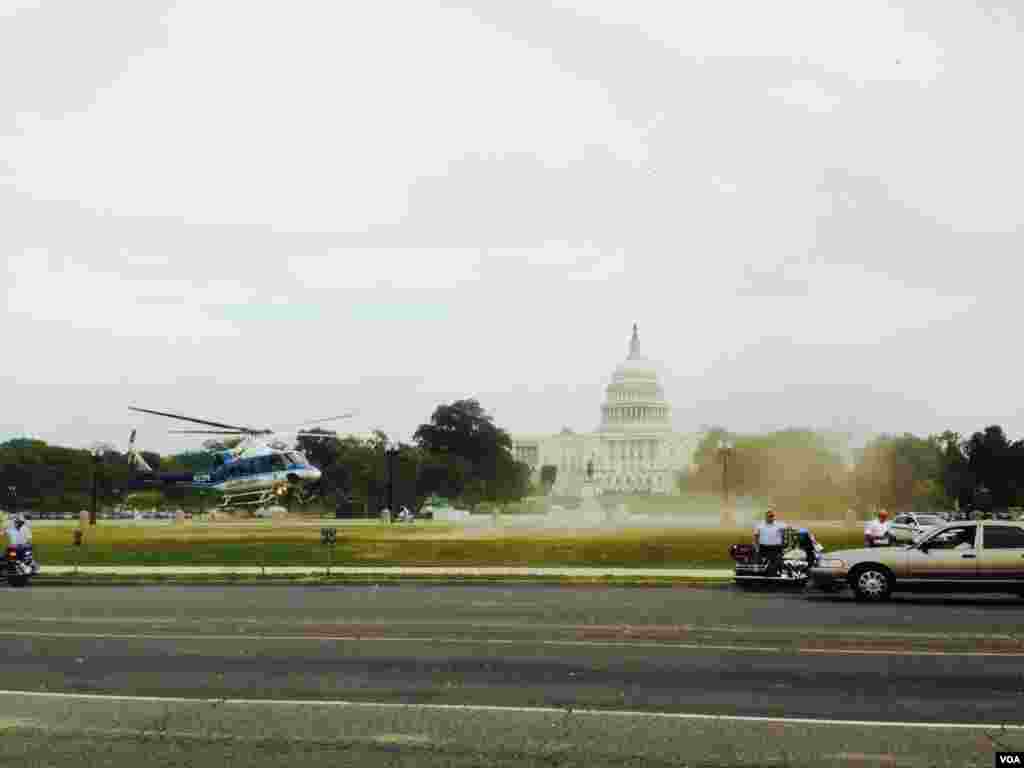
19 536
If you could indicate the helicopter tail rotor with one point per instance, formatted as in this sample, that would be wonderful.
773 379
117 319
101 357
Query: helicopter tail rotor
135 460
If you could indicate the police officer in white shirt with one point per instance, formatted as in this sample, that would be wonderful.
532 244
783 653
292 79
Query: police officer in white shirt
18 534
768 539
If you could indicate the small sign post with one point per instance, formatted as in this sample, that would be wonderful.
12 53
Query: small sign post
76 542
329 537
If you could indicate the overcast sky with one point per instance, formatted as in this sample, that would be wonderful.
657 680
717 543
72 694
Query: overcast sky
264 212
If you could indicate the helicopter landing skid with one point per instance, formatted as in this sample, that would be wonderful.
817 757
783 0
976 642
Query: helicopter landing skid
259 498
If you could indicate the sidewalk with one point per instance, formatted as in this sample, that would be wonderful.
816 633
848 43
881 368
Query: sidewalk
707 574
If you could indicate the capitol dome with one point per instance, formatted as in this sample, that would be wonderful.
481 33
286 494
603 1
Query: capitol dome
633 451
635 401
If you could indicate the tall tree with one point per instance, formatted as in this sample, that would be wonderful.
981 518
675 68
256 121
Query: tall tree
464 429
990 459
463 435
958 482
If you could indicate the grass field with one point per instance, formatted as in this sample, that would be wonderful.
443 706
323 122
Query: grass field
422 544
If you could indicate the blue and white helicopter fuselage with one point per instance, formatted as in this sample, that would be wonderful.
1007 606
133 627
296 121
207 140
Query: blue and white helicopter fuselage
257 468
255 472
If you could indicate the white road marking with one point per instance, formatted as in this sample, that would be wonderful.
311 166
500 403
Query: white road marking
340 704
506 641
476 623
404 739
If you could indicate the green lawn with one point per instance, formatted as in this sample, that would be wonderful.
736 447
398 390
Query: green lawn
422 544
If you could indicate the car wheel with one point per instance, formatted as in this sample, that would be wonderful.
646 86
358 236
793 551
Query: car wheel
872 583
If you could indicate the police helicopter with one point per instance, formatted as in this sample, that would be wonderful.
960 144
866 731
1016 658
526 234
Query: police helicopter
255 472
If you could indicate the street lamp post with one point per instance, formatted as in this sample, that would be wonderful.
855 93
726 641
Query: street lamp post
12 491
97 458
725 449
391 452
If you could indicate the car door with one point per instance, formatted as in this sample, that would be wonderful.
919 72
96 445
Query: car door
949 554
1002 553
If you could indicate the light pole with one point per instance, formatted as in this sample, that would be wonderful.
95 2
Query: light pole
391 452
12 491
97 457
725 449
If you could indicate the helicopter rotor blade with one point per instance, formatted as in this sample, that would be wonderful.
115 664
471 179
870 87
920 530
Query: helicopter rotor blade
325 433
178 416
348 415
206 432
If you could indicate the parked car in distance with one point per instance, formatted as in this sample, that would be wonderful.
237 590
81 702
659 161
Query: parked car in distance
907 527
983 556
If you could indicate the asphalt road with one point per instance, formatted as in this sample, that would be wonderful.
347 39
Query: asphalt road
509 675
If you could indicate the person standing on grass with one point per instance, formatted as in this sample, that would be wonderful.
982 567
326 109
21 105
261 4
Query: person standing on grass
768 539
876 532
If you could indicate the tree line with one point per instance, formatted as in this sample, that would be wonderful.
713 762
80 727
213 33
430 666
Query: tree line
459 454
462 455
803 471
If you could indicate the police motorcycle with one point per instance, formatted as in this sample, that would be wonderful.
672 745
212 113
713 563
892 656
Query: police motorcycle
790 569
21 566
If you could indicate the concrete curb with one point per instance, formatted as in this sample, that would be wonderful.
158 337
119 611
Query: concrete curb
290 570
70 575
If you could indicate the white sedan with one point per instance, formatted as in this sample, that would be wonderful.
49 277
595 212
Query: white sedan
909 527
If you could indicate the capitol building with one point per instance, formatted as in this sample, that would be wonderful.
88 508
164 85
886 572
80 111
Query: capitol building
634 450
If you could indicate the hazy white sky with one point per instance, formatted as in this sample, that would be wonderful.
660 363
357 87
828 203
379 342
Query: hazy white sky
264 212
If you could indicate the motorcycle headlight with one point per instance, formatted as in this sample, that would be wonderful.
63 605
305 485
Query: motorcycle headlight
834 563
